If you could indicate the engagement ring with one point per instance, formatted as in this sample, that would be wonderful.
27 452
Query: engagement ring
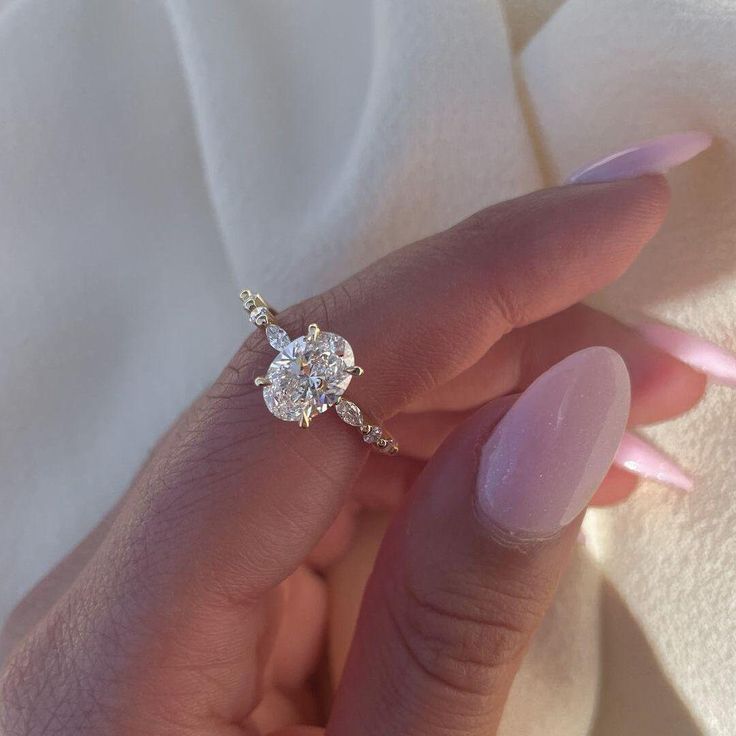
310 374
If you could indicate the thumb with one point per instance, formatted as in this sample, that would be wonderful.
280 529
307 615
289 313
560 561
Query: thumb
471 563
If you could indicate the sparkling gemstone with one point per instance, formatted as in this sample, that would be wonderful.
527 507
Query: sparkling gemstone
277 337
308 376
349 413
373 436
259 316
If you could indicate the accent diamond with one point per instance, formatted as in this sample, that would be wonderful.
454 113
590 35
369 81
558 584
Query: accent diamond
308 376
259 316
277 337
349 413
373 436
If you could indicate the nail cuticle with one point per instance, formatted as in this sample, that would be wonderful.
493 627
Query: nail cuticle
514 540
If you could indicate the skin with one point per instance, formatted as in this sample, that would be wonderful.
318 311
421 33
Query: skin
199 606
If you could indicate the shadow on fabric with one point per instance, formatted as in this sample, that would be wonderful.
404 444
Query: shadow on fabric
636 698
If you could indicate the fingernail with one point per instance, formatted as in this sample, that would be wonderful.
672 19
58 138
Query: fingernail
655 156
641 458
702 355
541 465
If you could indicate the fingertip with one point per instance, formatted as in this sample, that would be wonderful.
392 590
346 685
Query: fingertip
643 459
664 388
616 487
566 426
632 209
650 199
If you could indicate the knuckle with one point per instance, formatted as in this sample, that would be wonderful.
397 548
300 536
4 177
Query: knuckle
505 303
462 638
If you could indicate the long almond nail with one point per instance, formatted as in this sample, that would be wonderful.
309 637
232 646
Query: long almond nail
702 355
654 156
541 465
643 459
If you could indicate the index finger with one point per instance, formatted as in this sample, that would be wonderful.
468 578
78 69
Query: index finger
415 319
430 310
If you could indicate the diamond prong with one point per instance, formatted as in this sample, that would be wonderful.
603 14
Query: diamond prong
305 420
262 381
313 330
355 370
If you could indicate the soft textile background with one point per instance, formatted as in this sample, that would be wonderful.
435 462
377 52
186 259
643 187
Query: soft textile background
156 156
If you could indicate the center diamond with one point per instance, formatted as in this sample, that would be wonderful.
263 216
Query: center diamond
308 376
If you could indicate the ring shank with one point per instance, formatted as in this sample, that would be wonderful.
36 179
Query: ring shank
373 434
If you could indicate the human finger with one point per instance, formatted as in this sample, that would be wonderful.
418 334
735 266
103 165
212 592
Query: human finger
233 500
471 562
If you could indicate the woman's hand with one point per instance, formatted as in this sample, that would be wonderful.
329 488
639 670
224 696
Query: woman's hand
197 607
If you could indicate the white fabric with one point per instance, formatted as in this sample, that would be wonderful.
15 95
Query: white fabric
157 156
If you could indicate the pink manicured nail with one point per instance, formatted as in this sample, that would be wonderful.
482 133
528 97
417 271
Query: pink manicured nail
639 457
547 456
654 156
703 355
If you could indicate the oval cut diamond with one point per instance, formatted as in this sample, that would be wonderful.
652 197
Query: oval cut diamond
308 376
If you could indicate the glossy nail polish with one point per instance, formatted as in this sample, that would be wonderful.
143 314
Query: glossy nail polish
541 465
702 355
654 156
641 458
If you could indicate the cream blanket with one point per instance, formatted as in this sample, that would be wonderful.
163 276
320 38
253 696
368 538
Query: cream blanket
156 156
